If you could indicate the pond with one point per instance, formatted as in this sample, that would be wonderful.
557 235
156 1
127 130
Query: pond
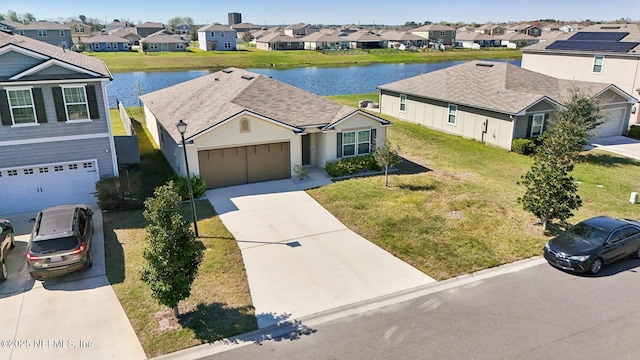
322 81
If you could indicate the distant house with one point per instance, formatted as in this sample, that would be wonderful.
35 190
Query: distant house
148 28
402 40
527 29
164 41
490 29
241 28
245 127
516 40
571 27
55 135
129 33
325 40
114 26
106 43
300 30
182 28
49 32
79 31
437 33
276 41
496 102
364 39
475 40
216 37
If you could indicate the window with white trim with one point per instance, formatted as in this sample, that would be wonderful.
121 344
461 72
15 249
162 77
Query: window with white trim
108 46
221 33
403 103
441 33
96 46
598 62
537 125
75 102
22 106
453 113
227 45
179 45
79 29
61 33
153 46
42 33
356 143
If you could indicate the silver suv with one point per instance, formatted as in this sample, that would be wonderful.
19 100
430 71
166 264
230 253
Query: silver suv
60 241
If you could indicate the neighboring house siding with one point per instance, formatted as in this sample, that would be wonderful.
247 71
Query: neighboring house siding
13 62
57 71
354 123
206 38
55 152
53 37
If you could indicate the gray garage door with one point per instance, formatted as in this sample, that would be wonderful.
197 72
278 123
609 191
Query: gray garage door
245 164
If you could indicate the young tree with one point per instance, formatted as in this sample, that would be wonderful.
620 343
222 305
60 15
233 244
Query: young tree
247 37
551 192
386 156
172 254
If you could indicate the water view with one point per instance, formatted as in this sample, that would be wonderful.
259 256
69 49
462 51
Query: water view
323 81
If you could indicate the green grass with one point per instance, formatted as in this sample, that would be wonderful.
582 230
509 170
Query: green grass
251 57
220 303
459 213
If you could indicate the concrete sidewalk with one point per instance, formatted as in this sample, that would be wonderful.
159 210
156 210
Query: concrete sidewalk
75 316
300 260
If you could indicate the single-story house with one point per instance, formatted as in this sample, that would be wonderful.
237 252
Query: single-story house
496 102
475 40
129 33
325 40
516 40
106 43
365 39
277 41
402 40
164 41
244 127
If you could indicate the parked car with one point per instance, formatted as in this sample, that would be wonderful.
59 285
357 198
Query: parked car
7 241
590 244
60 241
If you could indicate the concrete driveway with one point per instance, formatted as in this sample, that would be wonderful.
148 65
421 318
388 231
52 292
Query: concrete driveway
620 145
76 316
300 260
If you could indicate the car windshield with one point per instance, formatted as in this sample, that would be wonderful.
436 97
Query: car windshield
53 245
588 233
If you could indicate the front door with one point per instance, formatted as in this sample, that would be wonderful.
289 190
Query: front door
306 149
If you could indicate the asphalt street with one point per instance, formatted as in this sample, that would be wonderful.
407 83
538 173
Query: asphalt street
535 313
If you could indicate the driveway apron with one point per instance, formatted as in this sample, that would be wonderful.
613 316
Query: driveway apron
299 259
75 316
620 145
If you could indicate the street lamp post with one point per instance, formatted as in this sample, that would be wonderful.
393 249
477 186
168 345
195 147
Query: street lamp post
182 128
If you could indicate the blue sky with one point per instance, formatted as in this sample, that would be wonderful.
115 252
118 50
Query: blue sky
276 12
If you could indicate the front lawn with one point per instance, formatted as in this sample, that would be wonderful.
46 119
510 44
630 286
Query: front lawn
220 303
459 214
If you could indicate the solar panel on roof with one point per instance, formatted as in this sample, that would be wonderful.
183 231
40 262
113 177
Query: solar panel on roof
598 36
596 46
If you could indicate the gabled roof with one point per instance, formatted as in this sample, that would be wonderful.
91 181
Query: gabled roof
401 36
125 31
433 27
364 36
489 27
276 37
210 100
164 36
473 36
245 25
39 25
51 53
106 38
493 86
152 25
216 27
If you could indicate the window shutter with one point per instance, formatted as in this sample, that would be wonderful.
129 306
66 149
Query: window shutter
5 113
529 124
339 142
41 112
373 139
61 114
544 126
93 102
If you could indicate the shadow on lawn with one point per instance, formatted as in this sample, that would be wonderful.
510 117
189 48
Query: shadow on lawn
408 167
607 160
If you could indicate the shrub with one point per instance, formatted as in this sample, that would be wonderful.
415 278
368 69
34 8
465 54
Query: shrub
351 165
523 146
112 197
634 132
197 184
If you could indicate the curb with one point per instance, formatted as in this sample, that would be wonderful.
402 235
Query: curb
302 324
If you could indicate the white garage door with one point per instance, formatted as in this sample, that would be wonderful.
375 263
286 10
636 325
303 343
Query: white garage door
37 187
612 121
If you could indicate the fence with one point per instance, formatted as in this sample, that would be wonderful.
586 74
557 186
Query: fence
127 149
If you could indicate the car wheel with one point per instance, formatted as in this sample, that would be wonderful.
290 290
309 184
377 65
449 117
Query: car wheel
596 266
13 242
3 274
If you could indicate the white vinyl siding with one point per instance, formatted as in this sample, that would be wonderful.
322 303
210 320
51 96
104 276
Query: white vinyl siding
453 113
22 106
75 102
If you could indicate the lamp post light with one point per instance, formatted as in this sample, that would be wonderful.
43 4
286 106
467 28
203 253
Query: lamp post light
182 128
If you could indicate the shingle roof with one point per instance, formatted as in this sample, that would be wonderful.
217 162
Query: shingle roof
216 27
276 37
401 36
472 36
106 38
40 25
211 99
494 86
633 36
149 24
55 52
162 37
433 27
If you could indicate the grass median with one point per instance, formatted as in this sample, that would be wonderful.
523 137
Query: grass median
457 213
252 58
220 303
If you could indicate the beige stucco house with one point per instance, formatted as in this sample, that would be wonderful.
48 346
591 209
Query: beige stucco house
245 127
496 102
616 61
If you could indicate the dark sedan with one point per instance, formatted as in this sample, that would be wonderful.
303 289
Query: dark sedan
592 243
